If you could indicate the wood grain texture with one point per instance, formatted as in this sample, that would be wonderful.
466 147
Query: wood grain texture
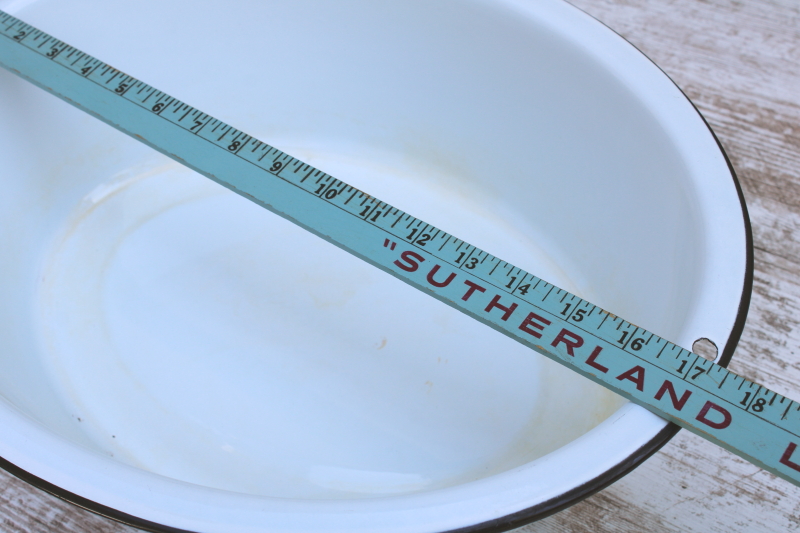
739 62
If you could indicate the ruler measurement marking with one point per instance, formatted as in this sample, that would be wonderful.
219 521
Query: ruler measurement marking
224 132
307 175
200 124
267 152
348 200
629 337
325 186
662 350
752 396
469 255
690 368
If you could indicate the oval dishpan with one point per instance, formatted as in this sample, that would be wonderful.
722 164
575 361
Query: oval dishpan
177 358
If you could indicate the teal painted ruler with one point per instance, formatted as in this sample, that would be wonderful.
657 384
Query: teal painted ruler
739 415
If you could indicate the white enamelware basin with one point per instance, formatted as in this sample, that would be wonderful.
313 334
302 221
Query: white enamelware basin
174 356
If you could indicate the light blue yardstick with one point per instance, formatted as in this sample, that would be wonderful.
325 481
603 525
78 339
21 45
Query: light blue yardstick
739 415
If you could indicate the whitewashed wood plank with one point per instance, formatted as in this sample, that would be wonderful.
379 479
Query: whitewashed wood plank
24 509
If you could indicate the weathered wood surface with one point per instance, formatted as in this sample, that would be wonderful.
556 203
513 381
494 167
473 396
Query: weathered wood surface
739 61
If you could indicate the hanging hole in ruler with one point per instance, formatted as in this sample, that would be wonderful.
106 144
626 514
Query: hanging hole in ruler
706 348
